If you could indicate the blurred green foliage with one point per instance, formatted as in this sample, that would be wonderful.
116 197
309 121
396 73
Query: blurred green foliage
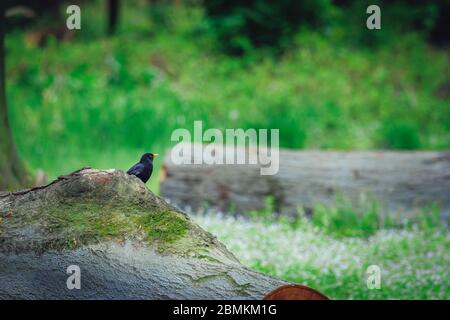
102 101
360 218
365 218
243 25
399 134
429 18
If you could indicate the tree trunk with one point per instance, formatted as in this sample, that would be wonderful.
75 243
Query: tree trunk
127 242
13 174
402 182
113 15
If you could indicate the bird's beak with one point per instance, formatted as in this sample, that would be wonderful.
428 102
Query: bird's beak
155 155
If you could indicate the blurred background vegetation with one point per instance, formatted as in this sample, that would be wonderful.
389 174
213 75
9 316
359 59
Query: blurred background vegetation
103 95
310 68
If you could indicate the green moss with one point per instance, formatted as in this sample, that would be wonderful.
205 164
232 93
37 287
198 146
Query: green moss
96 207
81 223
88 219
165 226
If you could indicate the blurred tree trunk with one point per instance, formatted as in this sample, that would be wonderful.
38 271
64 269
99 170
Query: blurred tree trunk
113 15
13 174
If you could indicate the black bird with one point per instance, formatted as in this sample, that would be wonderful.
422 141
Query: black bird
143 170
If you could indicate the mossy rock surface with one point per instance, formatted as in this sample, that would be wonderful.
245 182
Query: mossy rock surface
127 242
90 206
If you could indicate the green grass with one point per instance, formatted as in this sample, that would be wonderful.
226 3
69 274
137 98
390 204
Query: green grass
333 257
102 101
362 218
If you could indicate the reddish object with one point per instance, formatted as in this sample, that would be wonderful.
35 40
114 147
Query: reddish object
163 173
294 292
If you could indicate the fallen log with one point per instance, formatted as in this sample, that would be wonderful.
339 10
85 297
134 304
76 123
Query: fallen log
127 243
401 182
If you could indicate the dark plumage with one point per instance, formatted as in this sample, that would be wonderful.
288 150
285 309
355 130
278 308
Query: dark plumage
143 170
